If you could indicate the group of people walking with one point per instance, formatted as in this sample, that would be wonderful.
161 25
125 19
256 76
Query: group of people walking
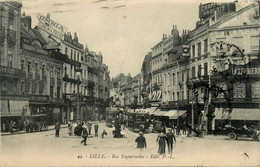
162 139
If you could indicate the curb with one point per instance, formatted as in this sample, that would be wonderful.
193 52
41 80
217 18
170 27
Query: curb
23 132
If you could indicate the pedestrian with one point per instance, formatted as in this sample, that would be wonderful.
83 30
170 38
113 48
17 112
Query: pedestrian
141 142
84 134
96 130
70 128
170 137
161 139
103 134
57 128
89 128
184 128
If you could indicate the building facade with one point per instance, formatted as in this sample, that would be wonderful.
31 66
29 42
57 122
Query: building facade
221 42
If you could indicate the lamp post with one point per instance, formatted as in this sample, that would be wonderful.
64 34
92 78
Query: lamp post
78 74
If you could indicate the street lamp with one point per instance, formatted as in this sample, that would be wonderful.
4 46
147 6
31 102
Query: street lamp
78 74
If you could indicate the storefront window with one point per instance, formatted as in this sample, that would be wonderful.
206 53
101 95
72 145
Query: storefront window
256 89
239 90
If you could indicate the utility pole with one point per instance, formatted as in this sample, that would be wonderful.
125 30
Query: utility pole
192 109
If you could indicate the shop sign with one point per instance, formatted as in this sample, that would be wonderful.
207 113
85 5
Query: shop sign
208 9
243 70
51 26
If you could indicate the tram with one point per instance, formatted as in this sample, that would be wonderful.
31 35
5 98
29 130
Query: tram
114 115
138 120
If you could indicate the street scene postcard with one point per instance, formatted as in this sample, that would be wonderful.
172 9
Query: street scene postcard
129 83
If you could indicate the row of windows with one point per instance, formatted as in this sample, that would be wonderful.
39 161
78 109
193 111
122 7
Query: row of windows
29 67
205 45
199 70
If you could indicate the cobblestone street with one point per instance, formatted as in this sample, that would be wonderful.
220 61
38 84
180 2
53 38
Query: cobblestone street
47 150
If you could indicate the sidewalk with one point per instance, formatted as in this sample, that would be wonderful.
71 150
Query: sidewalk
50 127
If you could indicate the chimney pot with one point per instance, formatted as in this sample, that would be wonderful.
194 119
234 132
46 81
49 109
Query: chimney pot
48 15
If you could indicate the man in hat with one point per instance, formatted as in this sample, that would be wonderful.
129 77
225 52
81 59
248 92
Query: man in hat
84 134
170 137
141 142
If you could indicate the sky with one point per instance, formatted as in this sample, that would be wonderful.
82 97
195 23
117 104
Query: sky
124 31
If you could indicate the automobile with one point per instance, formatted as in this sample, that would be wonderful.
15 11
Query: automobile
246 132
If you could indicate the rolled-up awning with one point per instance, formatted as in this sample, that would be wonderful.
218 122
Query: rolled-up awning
238 114
14 108
173 114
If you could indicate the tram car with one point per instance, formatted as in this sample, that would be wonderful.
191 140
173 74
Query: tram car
138 120
114 115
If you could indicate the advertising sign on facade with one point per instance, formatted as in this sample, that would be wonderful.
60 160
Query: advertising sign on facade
205 10
51 26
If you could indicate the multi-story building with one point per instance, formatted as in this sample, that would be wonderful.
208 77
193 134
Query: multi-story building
159 60
222 43
42 67
13 104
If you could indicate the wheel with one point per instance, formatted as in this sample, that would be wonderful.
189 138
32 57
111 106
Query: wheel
232 136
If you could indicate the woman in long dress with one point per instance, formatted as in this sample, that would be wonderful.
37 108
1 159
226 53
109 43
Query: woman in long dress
161 139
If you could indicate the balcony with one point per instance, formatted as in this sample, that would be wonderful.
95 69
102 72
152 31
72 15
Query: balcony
72 80
37 76
52 81
11 72
11 37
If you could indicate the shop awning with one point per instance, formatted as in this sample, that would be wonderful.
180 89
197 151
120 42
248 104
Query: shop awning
12 108
160 112
238 114
151 110
159 94
173 114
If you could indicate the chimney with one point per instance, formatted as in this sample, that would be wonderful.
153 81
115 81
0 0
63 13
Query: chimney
48 15
173 27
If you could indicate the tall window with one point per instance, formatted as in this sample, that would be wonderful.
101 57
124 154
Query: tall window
11 20
22 65
205 45
65 70
43 69
199 70
193 51
182 75
173 79
199 49
36 68
51 91
205 69
71 54
178 96
58 73
66 51
254 43
193 72
65 87
58 92
10 58
173 98
51 72
29 67
78 56
75 55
